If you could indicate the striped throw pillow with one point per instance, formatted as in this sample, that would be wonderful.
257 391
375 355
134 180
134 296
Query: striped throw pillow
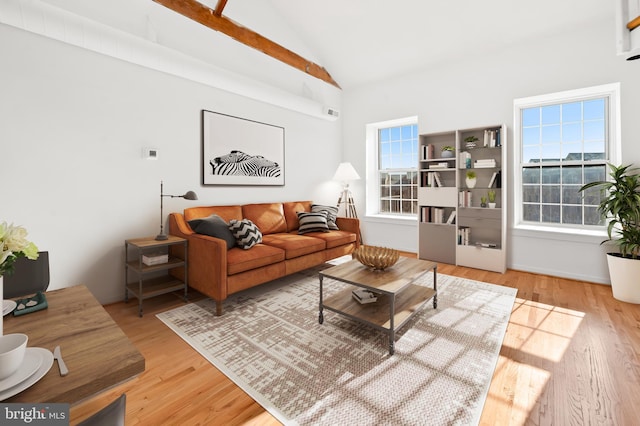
332 213
312 222
246 233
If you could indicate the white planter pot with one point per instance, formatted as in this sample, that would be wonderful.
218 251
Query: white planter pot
446 154
492 205
624 275
471 183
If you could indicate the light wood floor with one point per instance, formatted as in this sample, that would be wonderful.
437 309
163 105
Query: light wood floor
571 356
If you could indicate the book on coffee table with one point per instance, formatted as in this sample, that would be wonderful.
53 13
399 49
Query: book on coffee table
364 296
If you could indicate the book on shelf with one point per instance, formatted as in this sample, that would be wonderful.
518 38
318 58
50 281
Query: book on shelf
485 163
464 233
465 198
464 160
155 259
364 296
439 166
492 138
427 152
436 177
452 217
486 245
492 180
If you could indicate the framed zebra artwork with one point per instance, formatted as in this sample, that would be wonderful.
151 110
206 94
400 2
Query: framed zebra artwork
238 151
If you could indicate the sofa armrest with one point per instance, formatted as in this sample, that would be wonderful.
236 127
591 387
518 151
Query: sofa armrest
207 259
350 224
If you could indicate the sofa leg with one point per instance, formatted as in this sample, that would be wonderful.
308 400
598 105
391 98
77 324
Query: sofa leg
218 308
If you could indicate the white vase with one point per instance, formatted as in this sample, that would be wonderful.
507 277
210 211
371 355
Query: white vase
492 205
624 278
471 182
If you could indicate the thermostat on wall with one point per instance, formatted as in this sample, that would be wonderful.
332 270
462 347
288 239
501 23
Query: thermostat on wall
150 153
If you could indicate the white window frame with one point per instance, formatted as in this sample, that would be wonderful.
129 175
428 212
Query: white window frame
372 184
613 149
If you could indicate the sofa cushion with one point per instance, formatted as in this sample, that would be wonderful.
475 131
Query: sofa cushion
291 209
246 233
294 245
312 222
239 260
335 238
214 226
268 217
225 212
332 214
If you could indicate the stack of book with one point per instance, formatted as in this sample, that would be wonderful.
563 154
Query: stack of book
364 296
155 259
485 163
439 166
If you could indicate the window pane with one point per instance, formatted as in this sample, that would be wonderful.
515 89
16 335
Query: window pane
594 130
531 136
594 109
595 173
531 117
551 175
572 175
551 114
531 194
550 213
570 194
594 151
395 133
572 112
551 194
571 132
551 152
406 132
572 215
550 134
384 135
531 154
572 151
531 175
531 212
592 216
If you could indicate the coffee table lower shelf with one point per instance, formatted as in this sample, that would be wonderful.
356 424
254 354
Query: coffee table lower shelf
379 313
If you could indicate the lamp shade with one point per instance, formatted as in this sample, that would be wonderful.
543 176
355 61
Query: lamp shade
346 172
190 195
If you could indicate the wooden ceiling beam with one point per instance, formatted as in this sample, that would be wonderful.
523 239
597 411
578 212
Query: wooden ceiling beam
200 13
219 7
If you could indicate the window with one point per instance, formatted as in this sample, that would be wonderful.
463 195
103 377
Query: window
395 168
563 141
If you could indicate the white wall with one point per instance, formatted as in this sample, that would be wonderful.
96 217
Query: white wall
476 91
72 127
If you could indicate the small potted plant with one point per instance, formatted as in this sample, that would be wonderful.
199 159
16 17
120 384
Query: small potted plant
492 198
470 179
470 142
483 201
447 151
620 205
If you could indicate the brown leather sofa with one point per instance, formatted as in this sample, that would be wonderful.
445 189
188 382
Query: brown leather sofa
218 272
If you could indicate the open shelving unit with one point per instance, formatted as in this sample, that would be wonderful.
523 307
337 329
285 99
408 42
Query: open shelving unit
454 227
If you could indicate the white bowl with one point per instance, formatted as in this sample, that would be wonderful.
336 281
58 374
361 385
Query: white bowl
12 350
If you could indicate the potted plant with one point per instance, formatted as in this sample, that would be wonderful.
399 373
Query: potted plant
470 179
620 204
483 201
470 142
492 198
447 151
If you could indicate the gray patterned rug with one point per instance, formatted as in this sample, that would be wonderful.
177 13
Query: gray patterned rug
270 344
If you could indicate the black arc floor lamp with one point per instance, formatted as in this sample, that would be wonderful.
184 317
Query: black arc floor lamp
189 195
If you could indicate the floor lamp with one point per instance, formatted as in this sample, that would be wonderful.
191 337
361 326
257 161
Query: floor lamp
344 174
190 195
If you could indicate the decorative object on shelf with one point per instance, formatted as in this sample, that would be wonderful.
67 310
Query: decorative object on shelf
447 151
483 201
471 179
492 198
345 173
470 142
189 195
620 203
378 258
364 296
13 245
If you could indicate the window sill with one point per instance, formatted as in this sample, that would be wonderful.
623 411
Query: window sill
560 234
395 220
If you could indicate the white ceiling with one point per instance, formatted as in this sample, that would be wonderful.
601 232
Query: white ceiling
361 41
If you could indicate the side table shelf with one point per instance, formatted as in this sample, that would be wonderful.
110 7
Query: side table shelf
150 280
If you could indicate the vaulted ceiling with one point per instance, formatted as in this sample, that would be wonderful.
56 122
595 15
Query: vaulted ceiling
362 41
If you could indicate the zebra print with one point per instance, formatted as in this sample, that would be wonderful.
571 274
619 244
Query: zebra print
238 163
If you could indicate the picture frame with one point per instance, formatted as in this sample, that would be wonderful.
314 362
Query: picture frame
240 151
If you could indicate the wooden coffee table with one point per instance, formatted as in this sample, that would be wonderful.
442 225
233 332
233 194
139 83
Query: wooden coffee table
399 298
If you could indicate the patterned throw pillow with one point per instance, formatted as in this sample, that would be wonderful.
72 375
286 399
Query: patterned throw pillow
246 233
312 222
332 213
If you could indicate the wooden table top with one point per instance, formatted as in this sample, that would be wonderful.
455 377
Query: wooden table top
390 281
97 352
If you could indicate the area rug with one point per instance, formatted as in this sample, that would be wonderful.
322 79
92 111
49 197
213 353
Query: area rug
269 342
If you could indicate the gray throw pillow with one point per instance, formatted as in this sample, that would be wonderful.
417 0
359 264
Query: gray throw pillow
214 226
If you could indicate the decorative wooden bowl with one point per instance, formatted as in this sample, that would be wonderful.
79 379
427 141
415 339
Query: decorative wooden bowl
378 258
